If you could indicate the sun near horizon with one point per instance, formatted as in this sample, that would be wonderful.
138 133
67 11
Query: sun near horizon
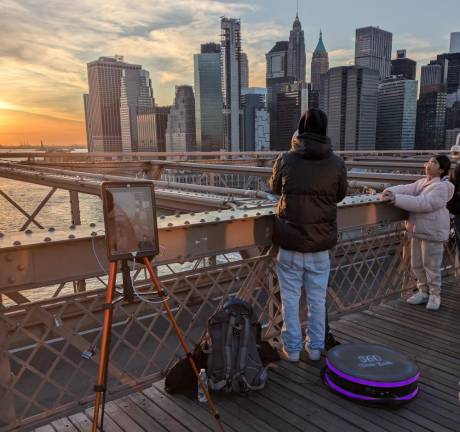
19 128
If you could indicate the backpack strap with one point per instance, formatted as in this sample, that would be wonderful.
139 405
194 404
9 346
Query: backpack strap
228 349
243 353
243 358
226 381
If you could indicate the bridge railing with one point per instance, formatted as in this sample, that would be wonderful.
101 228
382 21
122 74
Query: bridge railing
50 344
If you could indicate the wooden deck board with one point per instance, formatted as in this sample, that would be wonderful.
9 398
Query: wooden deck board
297 400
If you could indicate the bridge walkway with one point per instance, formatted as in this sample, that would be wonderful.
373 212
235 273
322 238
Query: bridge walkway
296 399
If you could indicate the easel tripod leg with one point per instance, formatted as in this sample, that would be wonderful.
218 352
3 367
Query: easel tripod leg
100 387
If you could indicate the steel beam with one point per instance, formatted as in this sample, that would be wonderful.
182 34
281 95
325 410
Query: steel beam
42 259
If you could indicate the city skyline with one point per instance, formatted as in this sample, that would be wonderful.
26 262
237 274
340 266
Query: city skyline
43 77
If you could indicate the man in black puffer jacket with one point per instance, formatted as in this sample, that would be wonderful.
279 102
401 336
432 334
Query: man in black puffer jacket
311 180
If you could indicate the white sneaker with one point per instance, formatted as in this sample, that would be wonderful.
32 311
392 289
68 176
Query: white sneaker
418 298
433 303
313 354
290 357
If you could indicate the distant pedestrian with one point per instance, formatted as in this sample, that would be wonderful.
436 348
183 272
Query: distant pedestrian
310 180
428 226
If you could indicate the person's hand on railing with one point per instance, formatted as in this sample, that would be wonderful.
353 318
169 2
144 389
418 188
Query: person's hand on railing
389 196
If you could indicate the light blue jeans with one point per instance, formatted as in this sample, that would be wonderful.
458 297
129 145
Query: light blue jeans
308 271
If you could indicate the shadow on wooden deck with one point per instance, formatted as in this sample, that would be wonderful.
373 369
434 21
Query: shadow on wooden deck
297 400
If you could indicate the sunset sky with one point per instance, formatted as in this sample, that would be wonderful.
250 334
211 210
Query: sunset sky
45 45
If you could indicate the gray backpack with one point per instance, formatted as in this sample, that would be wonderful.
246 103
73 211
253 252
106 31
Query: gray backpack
234 362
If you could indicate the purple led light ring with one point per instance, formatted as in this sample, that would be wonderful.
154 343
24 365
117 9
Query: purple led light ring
371 383
366 398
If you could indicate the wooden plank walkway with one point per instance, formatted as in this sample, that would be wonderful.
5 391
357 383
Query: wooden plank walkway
297 400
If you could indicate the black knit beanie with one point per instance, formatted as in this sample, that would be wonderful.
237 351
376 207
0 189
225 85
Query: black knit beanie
444 163
314 121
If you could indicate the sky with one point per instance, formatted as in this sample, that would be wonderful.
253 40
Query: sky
45 45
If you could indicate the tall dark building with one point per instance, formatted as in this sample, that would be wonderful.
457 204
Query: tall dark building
349 98
208 98
373 50
292 101
276 78
319 63
296 65
403 66
396 114
231 82
451 71
431 118
252 102
445 70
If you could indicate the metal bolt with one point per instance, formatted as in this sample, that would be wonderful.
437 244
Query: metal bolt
177 215
217 218
192 214
16 243
71 236
162 217
232 217
47 239
170 224
258 214
92 224
21 267
186 223
72 227
51 229
93 234
202 220
28 231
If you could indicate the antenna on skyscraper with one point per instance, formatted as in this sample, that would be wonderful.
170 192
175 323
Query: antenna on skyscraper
297 12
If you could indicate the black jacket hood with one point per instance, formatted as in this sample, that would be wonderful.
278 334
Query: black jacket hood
310 145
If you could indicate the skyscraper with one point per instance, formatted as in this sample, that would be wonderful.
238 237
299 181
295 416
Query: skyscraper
292 102
136 95
403 66
449 67
296 64
454 42
89 133
349 98
276 79
373 50
431 118
231 82
430 75
253 104
151 129
180 132
396 114
208 98
319 64
103 103
244 71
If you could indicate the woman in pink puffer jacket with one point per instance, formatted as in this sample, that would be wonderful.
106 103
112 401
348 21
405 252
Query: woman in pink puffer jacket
428 226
